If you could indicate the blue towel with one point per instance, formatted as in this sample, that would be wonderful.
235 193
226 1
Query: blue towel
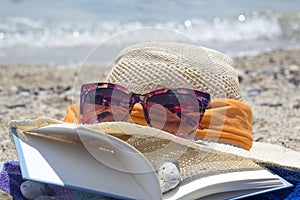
292 193
11 179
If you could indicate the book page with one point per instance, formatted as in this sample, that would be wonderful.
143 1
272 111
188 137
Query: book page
75 165
230 185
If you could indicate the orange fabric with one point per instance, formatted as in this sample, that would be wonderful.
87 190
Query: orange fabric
226 120
229 121
73 114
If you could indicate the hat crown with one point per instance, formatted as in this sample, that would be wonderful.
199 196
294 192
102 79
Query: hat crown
145 67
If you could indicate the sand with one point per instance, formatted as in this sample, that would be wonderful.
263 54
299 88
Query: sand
270 84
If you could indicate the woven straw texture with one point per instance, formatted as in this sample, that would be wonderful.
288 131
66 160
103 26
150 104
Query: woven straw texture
145 67
192 163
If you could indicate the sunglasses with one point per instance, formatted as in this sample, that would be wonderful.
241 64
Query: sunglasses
178 111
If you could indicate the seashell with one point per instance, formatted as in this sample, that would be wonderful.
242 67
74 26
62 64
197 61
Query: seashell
168 174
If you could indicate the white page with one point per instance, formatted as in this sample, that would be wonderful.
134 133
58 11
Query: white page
72 165
229 182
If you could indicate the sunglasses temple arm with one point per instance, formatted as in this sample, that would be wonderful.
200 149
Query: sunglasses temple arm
200 126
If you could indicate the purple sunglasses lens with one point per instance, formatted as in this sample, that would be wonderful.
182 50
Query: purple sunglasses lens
174 112
105 104
177 111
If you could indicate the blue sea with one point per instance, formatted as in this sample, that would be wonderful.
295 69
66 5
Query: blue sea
65 32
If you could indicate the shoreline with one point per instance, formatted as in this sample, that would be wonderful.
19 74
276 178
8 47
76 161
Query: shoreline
269 82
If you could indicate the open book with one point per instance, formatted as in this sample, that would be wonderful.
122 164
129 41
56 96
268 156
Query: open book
86 159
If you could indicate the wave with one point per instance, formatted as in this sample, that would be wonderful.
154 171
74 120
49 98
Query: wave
58 33
62 40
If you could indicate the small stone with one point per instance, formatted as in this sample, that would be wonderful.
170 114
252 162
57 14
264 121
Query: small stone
5 142
296 105
3 110
11 106
259 139
251 73
271 104
30 190
13 89
267 72
24 93
168 175
5 196
294 68
297 127
271 60
35 90
253 92
22 90
47 197
241 74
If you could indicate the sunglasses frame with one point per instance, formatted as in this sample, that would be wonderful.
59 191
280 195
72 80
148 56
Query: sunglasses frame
202 97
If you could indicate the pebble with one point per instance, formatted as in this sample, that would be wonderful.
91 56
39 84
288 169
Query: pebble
31 190
5 196
271 60
168 175
267 73
251 73
21 90
297 127
241 74
259 139
10 106
3 110
4 142
297 104
24 93
271 104
35 90
294 68
13 89
253 92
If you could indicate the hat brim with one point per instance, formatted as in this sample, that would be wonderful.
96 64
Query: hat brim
260 152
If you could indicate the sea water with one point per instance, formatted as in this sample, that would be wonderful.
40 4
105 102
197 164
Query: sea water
60 32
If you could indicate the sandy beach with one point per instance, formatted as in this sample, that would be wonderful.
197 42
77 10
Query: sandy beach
270 83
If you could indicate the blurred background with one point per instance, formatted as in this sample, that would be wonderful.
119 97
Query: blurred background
63 32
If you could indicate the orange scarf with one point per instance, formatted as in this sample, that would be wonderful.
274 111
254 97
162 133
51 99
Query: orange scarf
226 120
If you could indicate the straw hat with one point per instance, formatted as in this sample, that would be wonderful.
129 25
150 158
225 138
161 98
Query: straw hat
148 66
145 67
